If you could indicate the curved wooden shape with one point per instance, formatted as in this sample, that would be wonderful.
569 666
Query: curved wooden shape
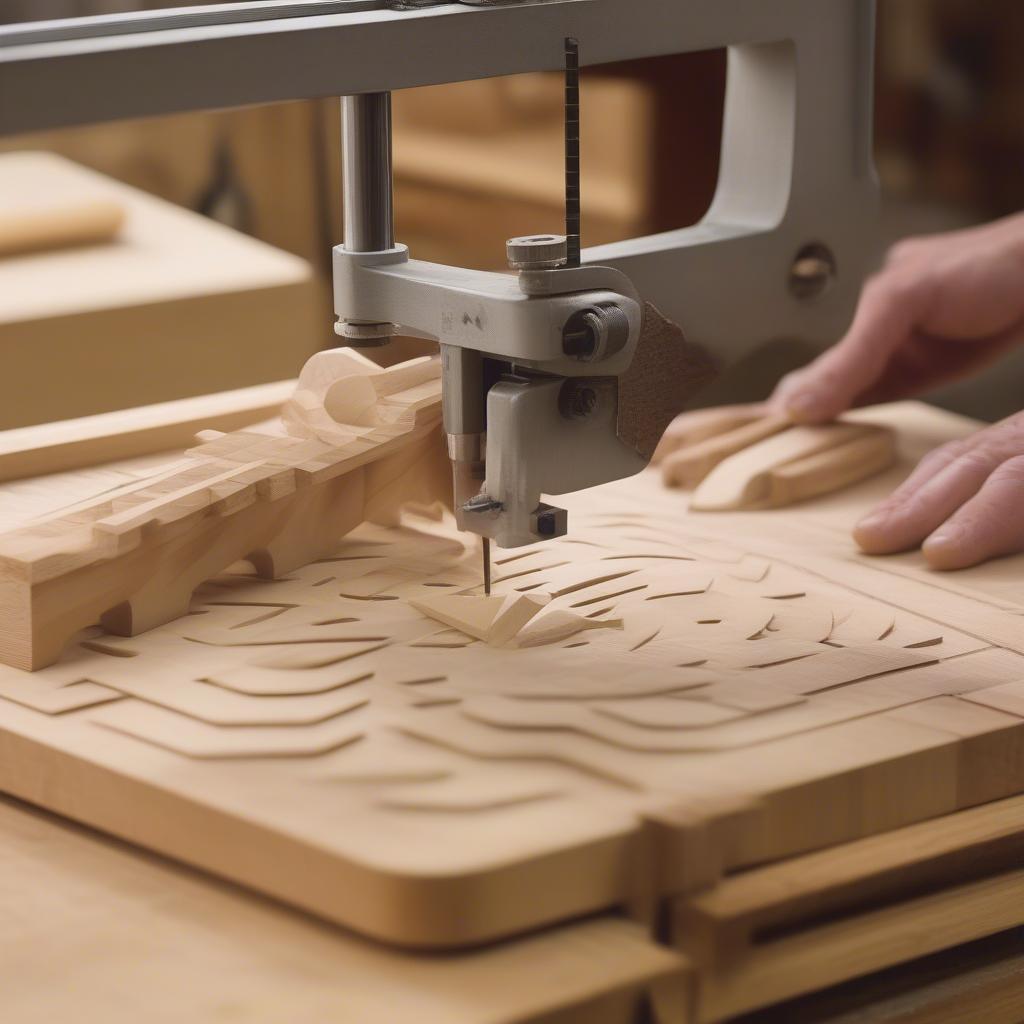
132 559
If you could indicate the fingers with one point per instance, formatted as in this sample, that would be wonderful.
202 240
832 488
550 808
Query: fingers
988 525
945 482
889 308
930 466
903 522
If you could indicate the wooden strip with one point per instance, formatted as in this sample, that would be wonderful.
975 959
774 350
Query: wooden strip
743 481
850 948
828 471
688 466
60 224
967 844
129 433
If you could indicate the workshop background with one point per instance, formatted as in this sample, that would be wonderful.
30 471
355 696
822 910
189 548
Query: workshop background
479 162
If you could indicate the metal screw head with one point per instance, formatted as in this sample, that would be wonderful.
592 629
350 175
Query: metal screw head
364 335
536 252
547 522
577 400
812 272
595 332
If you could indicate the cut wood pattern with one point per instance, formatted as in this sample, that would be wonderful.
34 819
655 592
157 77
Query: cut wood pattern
741 457
647 692
132 559
730 743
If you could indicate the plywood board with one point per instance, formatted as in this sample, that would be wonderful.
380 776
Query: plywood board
436 791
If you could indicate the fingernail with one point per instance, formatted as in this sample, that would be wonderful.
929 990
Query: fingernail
872 522
944 537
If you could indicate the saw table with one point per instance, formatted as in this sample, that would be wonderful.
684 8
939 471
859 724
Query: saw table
790 765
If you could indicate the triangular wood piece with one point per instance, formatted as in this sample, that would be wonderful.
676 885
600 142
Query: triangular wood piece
516 611
558 625
495 619
469 614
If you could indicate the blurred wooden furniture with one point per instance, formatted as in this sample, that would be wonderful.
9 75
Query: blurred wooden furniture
175 305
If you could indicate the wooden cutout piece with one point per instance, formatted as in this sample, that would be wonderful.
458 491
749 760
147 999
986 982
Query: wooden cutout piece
840 666
558 625
690 428
689 466
516 611
128 433
495 619
744 481
668 713
472 615
832 470
56 701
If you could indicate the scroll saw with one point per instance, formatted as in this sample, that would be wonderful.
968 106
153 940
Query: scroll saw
561 375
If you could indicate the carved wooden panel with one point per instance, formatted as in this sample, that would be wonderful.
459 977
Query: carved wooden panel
744 690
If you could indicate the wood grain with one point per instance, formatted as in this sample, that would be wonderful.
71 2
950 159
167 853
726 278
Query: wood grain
736 701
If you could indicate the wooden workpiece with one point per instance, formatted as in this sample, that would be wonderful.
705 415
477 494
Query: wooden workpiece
745 457
131 559
750 690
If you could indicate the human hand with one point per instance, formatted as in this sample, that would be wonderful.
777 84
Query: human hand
941 308
964 501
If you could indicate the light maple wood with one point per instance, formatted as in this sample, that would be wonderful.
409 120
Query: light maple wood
856 946
830 470
690 463
28 227
743 457
175 305
89 938
722 925
739 697
825 458
107 437
495 620
133 560
702 424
